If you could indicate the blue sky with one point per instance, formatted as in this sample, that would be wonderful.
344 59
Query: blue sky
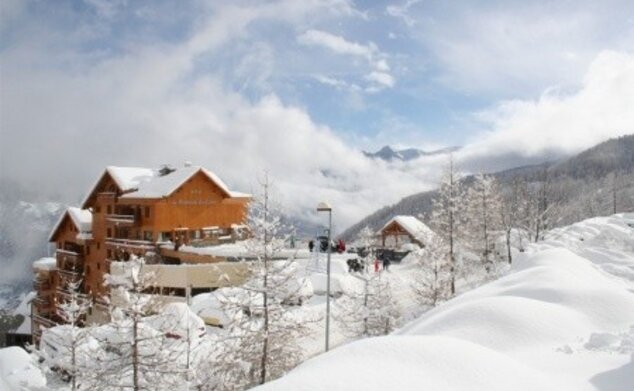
299 87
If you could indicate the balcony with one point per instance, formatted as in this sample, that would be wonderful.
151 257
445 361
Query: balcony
121 220
42 302
70 276
66 296
130 246
41 285
42 321
69 259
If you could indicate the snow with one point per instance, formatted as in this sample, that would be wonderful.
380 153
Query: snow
18 371
239 250
82 218
46 263
413 226
149 184
562 318
128 178
24 309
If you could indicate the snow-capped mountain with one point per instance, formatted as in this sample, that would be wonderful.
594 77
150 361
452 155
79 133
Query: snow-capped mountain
389 154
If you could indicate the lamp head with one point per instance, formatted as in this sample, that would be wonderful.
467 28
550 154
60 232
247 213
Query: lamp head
324 207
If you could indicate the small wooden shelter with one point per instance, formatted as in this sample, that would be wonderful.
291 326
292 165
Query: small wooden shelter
403 230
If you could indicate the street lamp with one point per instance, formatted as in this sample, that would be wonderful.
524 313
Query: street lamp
325 207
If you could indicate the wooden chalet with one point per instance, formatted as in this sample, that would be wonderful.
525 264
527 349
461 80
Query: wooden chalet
132 211
402 230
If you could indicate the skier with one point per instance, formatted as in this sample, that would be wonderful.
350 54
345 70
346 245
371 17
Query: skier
376 265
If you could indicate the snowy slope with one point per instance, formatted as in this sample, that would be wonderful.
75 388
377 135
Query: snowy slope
562 319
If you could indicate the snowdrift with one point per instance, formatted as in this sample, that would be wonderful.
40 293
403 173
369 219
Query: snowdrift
562 319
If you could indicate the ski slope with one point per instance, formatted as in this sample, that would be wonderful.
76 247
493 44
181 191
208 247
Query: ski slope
562 319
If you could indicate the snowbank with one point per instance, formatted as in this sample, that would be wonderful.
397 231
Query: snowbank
18 371
558 321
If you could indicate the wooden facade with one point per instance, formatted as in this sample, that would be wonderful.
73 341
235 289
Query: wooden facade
127 221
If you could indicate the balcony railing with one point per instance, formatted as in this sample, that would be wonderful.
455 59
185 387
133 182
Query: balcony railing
41 285
72 276
46 322
130 245
121 219
69 259
42 302
66 295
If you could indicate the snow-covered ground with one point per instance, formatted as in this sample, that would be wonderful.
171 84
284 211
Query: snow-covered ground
561 319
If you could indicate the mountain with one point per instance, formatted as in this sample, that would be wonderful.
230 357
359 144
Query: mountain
25 222
389 154
583 179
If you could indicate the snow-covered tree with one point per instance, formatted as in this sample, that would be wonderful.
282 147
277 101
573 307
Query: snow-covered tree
262 339
62 347
448 214
367 308
513 214
433 273
131 354
483 204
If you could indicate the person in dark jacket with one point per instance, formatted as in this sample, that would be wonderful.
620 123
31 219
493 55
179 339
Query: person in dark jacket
386 263
311 246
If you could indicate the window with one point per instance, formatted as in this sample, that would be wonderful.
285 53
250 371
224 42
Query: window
109 252
147 235
98 265
98 209
147 212
88 250
109 210
98 245
109 233
87 269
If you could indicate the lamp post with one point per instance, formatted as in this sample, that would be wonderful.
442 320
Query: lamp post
325 207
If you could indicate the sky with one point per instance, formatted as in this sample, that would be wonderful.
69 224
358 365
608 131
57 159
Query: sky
300 88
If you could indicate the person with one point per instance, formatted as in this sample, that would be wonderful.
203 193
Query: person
341 246
311 245
376 265
386 263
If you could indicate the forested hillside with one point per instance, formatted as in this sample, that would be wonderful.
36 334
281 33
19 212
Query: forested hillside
583 186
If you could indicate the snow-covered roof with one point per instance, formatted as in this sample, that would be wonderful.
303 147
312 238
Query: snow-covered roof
128 178
413 226
81 218
138 182
46 263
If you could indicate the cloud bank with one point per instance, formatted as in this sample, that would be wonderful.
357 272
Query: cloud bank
81 91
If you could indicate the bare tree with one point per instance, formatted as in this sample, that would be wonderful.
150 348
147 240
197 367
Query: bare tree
262 341
483 204
447 214
433 273
367 309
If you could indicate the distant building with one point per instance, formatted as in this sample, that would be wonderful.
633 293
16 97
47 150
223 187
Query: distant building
133 211
401 232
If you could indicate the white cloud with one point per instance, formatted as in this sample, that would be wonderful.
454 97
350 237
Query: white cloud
382 78
403 11
560 123
153 105
336 43
519 49
378 76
